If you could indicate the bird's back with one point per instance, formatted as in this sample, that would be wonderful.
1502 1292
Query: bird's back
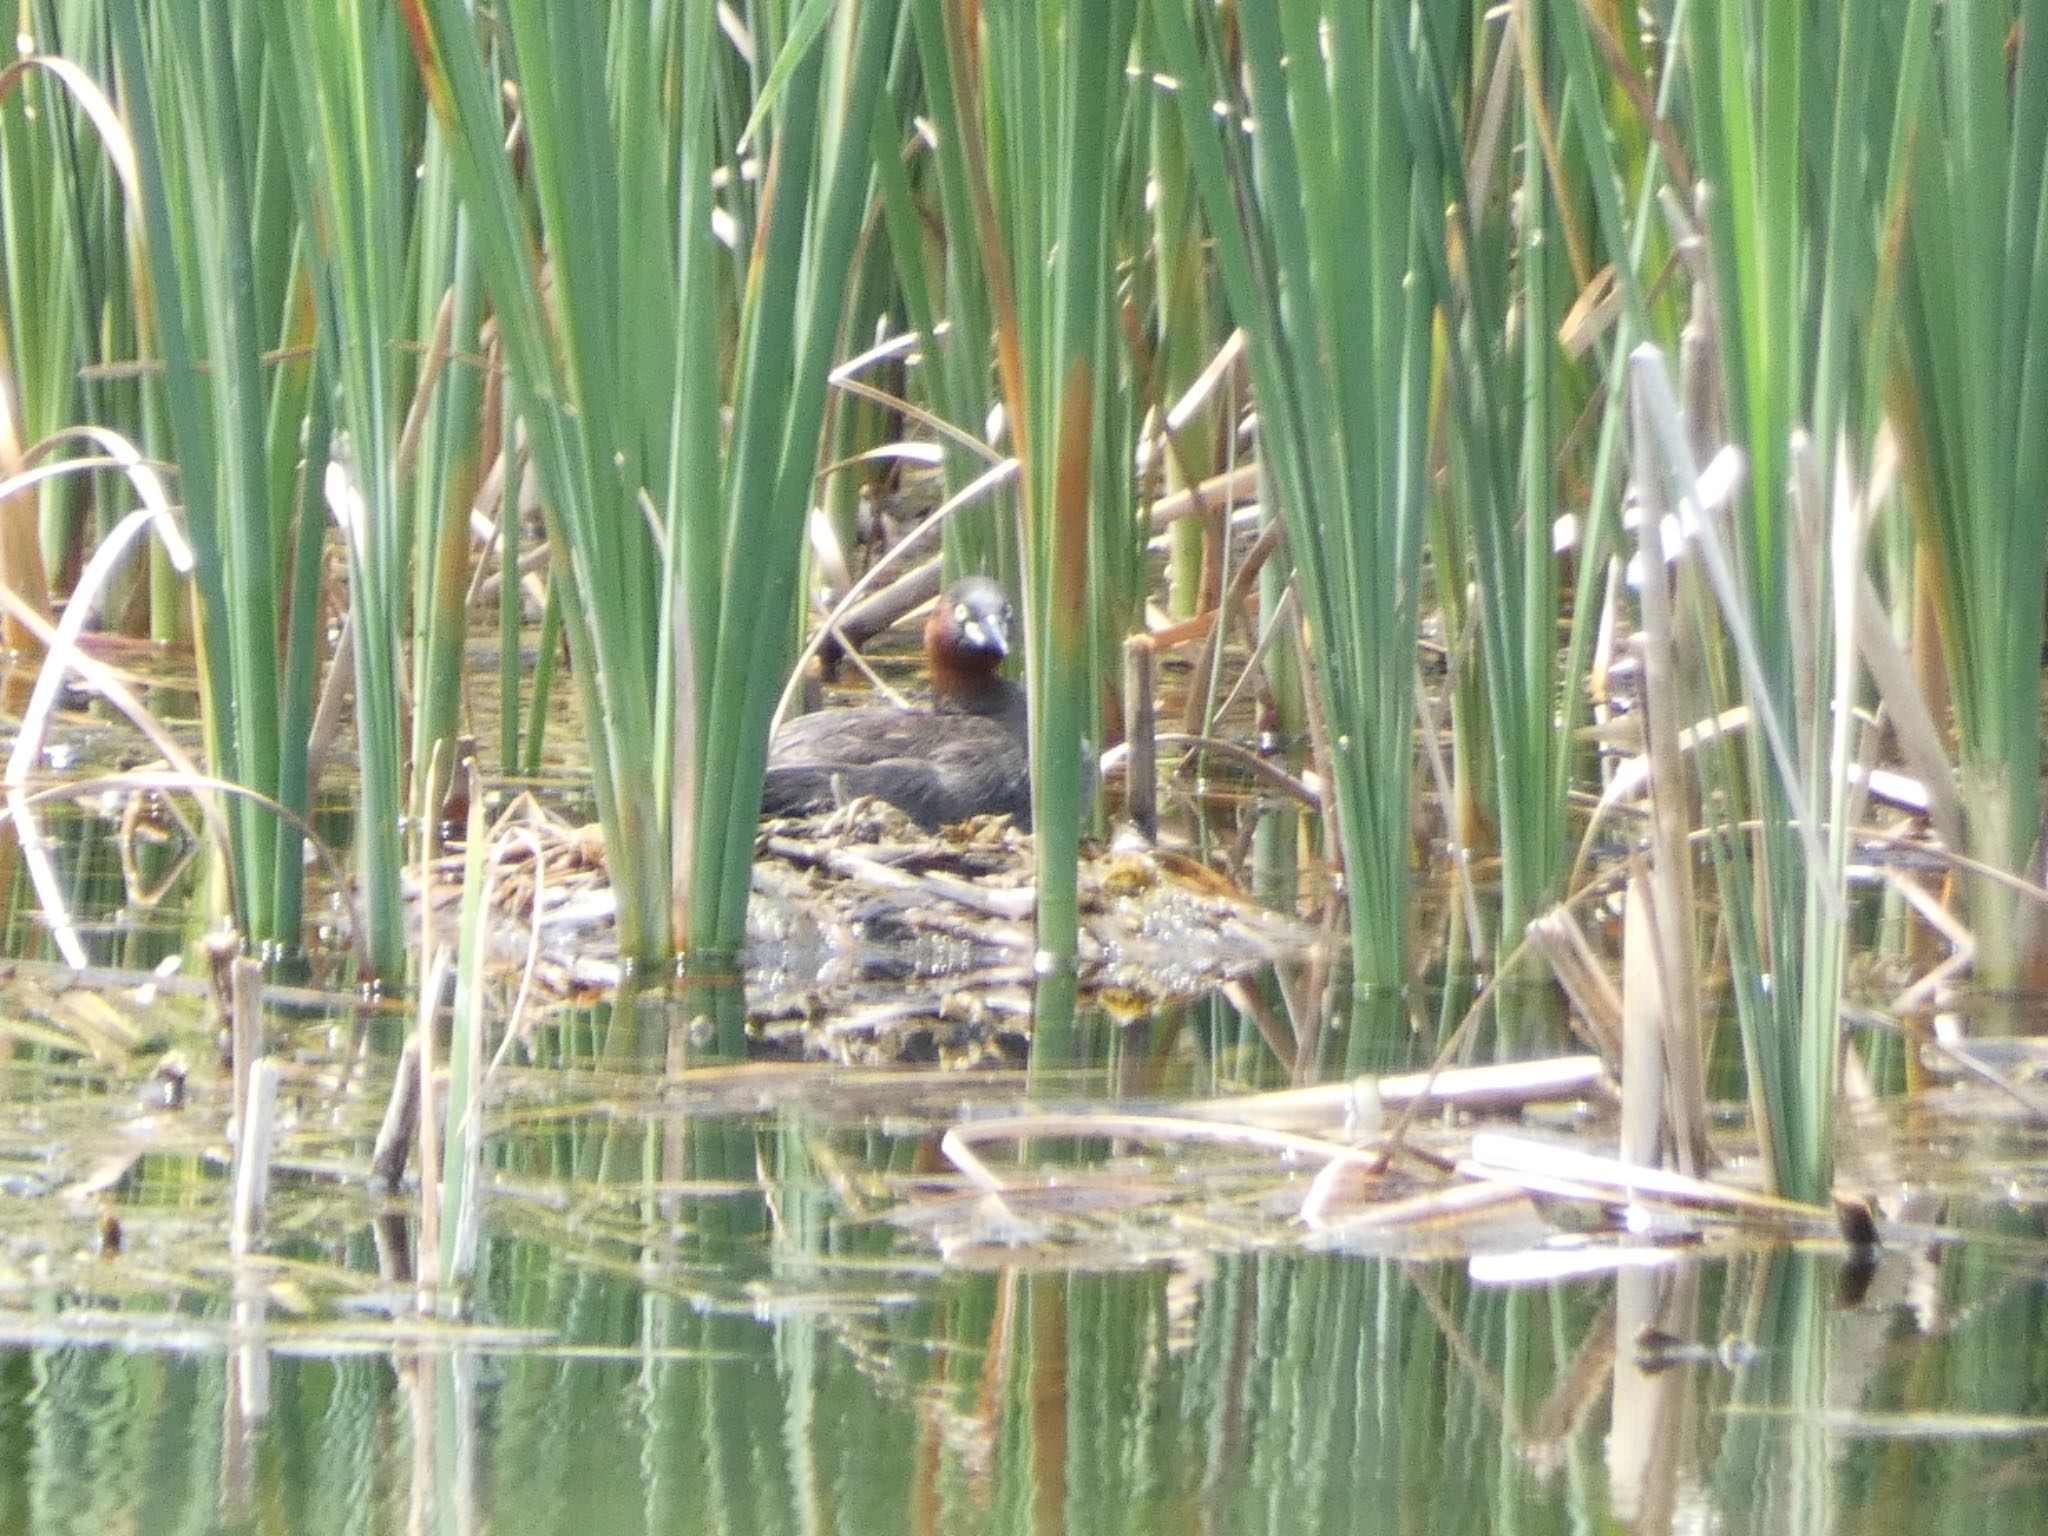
935 766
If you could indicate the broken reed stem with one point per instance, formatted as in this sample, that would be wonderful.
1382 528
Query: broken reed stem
245 1034
1562 942
465 1216
461 1175
1670 869
1454 835
248 1397
429 1245
1282 1042
1141 767
1354 1108
1544 1167
1157 1128
252 1156
401 1124
1645 1007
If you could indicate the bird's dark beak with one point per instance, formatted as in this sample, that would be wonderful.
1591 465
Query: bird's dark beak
983 632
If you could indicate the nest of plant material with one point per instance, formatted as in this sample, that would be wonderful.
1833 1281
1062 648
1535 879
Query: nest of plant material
871 940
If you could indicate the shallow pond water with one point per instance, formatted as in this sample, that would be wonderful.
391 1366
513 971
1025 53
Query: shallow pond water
720 1296
1285 1394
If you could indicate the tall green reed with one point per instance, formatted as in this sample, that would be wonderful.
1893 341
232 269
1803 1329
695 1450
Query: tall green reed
1036 92
64 211
1971 148
352 115
1786 104
1319 218
677 535
456 431
1492 249
215 288
568 408
667 234
789 330
944 286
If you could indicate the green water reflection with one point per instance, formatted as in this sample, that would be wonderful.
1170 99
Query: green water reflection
1252 1393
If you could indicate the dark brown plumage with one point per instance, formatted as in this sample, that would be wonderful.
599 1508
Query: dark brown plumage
966 756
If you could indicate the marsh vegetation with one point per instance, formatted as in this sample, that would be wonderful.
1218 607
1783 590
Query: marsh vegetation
1536 515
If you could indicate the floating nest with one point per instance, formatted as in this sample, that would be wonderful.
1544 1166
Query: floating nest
872 940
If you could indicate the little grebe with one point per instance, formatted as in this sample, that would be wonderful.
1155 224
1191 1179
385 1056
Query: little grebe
967 756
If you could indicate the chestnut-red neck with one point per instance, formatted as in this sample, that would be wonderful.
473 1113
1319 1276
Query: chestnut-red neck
960 674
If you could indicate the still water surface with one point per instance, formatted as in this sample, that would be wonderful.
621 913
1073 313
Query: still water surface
743 1322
